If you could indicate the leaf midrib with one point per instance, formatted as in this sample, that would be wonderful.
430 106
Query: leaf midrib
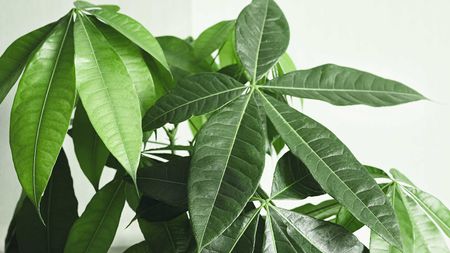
259 41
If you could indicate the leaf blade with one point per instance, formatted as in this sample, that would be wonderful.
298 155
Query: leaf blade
213 38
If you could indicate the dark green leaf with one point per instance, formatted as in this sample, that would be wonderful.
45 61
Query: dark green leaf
335 168
142 247
292 180
108 95
42 109
212 38
262 36
194 95
153 210
226 168
343 86
236 71
94 231
321 211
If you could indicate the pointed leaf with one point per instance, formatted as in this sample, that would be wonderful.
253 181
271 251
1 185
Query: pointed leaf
321 211
142 247
292 180
343 86
94 231
262 36
375 172
42 109
134 31
194 95
89 148
347 220
226 168
16 56
86 5
108 95
285 65
334 167
213 38
400 177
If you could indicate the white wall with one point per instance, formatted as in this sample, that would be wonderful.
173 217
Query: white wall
402 40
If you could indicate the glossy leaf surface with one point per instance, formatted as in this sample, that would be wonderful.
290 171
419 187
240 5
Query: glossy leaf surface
213 38
334 167
226 167
262 36
42 109
343 86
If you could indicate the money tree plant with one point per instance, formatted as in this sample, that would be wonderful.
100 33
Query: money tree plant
121 94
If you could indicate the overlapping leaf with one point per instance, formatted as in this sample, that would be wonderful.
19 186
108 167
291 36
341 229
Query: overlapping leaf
213 38
322 211
343 86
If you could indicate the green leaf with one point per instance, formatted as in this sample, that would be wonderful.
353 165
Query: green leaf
196 123
321 211
134 31
335 168
226 168
94 231
108 95
59 211
42 109
376 173
288 231
86 6
292 180
213 38
285 65
142 247
154 210
239 237
16 56
154 181
236 71
347 220
227 54
89 148
194 95
400 177
135 64
343 86
172 236
262 36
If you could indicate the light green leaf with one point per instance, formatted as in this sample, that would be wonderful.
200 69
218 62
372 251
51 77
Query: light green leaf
321 211
94 231
213 38
108 95
262 36
134 62
285 65
196 123
194 95
86 6
347 220
89 148
343 86
376 173
226 168
227 54
42 109
400 177
334 167
16 56
134 31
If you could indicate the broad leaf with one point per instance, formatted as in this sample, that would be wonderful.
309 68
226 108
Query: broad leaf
42 109
236 71
94 231
262 36
226 168
347 220
212 38
335 168
227 54
154 181
292 180
89 148
321 211
194 95
135 64
108 95
134 31
142 247
343 86
59 211
288 231
16 56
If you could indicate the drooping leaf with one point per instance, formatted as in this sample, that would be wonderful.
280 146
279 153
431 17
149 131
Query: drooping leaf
42 109
134 62
174 236
226 167
262 36
89 148
194 95
59 212
94 231
288 231
142 247
343 86
16 56
335 168
321 211
347 220
212 38
134 31
108 95
292 180
166 182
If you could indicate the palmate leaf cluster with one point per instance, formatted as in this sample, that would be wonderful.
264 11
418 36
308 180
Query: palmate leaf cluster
231 85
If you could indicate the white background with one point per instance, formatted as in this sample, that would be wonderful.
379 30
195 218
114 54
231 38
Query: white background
405 40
